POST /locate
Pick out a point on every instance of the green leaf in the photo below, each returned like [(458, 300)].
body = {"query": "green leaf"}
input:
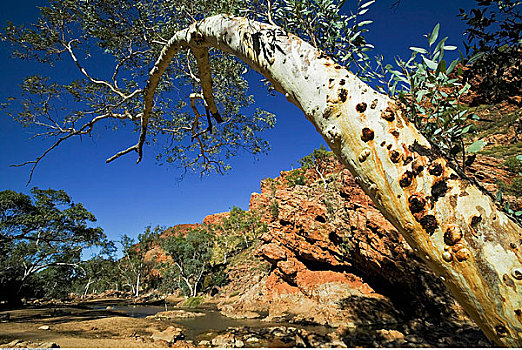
[(464, 89), (441, 67), (475, 57), (476, 146), (499, 195), (450, 48), (418, 49), (440, 46), (366, 4), (466, 129), (363, 23), (432, 65), (452, 66), (434, 34)]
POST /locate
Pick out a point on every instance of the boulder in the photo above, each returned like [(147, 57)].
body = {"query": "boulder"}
[(204, 344), (167, 315), (11, 344), (170, 335), (227, 340), (389, 335), (48, 345)]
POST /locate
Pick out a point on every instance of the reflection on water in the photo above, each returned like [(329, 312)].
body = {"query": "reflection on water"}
[(212, 320)]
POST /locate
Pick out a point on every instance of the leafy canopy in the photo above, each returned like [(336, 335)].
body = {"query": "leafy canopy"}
[(46, 231), (114, 44), (190, 260)]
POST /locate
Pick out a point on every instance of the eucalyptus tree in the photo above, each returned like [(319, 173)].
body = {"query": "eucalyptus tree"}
[(138, 262), (43, 235), (189, 260), (178, 76)]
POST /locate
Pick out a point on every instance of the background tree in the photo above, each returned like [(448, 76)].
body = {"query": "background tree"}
[(97, 275), (47, 232), (136, 268), (237, 232), (317, 160), (190, 260)]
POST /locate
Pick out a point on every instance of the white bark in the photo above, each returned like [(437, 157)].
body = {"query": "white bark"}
[(456, 229), (137, 294)]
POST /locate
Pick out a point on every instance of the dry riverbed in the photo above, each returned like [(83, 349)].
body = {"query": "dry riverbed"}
[(104, 323), (77, 326)]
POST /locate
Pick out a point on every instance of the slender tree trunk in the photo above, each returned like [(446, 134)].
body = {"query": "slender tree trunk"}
[(137, 286), (321, 175), (86, 290), (451, 224), (195, 290), (189, 285)]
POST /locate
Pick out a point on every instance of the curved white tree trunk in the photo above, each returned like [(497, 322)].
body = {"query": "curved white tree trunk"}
[(454, 227)]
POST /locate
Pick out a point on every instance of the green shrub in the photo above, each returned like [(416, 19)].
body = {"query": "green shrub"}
[(317, 156), (274, 209), (516, 187), (295, 177), (193, 302), (514, 164)]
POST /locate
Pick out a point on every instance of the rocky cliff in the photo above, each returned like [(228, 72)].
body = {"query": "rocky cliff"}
[(335, 260)]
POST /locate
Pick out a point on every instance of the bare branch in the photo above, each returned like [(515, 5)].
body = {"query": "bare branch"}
[(136, 148), (163, 61), (190, 73), (196, 113), (37, 160), (207, 160), (70, 132), (269, 12), (126, 58), (68, 47)]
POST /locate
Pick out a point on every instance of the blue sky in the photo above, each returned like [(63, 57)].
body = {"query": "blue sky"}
[(126, 197)]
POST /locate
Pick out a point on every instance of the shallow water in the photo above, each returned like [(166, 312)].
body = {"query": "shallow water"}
[(213, 320)]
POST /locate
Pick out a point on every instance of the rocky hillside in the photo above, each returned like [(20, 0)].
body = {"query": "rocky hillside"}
[(335, 260)]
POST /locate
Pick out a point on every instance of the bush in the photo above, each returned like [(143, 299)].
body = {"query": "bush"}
[(493, 36), (295, 177), (318, 155), (513, 164), (516, 187), (193, 302), (274, 209)]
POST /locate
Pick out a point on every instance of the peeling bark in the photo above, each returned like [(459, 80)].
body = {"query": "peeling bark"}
[(454, 227)]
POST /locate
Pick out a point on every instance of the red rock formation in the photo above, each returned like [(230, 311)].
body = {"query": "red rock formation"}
[(214, 219), (335, 259)]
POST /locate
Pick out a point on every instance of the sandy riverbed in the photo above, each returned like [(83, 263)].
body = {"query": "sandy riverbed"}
[(78, 326)]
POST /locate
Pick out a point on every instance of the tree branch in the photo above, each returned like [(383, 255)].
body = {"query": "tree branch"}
[(68, 47), (203, 61)]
